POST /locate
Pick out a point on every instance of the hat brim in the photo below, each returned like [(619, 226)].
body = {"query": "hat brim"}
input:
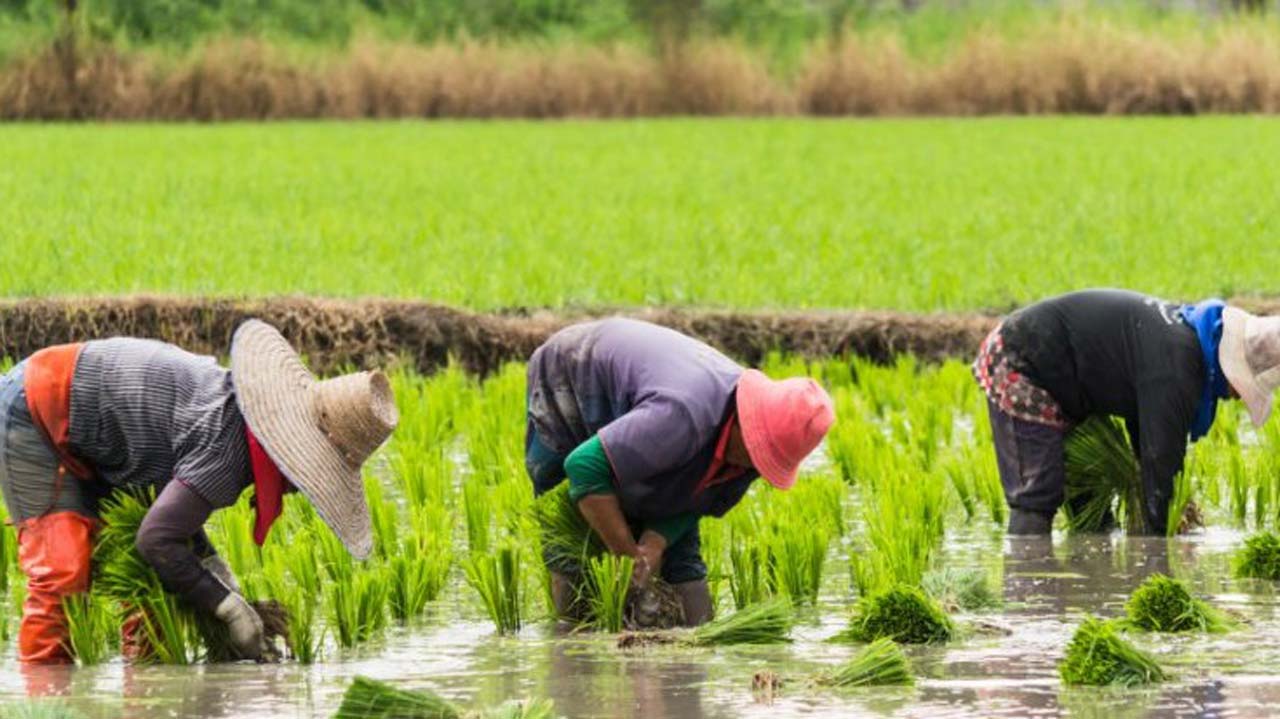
[(272, 389), (1235, 365), (751, 413)]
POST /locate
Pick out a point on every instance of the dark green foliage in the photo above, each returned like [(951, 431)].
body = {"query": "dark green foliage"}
[(1099, 656), (371, 699), (880, 663), (768, 622), (1163, 604), (1259, 558), (902, 613), (1103, 477)]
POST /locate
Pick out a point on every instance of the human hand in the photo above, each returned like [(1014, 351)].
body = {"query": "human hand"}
[(244, 624), (648, 557)]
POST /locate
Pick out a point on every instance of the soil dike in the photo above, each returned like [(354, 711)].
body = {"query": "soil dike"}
[(334, 334)]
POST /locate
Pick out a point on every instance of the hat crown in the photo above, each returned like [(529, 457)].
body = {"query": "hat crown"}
[(357, 413), (782, 421), (1262, 345)]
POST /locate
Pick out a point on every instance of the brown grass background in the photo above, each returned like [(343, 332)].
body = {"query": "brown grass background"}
[(1069, 67)]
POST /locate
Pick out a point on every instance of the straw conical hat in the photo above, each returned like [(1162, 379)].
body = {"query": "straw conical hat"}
[(318, 432)]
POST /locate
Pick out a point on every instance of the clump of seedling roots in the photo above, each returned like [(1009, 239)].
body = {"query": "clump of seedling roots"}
[(903, 614), (371, 699), (1099, 656), (1163, 604), (1259, 558), (768, 622), (968, 590)]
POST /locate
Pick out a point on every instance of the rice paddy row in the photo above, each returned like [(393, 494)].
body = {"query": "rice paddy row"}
[(908, 461)]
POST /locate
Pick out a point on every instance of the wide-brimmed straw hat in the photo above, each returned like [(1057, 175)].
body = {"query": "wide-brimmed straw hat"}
[(782, 421), (318, 432), (1250, 358)]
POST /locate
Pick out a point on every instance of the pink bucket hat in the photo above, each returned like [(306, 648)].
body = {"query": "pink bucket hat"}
[(782, 422)]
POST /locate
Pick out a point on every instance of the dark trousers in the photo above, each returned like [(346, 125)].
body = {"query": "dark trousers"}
[(682, 562), (1032, 462)]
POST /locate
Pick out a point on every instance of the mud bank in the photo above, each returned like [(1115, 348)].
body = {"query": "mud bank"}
[(366, 333)]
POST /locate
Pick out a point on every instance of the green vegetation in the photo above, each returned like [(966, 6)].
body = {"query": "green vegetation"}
[(1163, 604), (608, 581), (882, 662), (968, 590), (1099, 656), (1260, 557), (371, 699), (462, 224), (768, 622), (903, 614), (93, 629), (1103, 478)]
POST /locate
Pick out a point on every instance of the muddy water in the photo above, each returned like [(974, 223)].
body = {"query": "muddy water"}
[(1047, 587)]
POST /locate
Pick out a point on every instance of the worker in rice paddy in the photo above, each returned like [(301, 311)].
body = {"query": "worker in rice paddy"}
[(654, 429), (1160, 366), (79, 421)]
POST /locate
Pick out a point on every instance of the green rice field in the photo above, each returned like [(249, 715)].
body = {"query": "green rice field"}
[(905, 214)]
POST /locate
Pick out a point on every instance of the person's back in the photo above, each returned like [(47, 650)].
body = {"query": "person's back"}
[(1096, 350)]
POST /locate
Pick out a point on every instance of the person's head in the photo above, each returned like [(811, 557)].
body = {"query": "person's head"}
[(1250, 357), (318, 433), (779, 423)]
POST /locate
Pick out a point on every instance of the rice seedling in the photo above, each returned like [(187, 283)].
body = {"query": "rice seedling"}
[(357, 608), (968, 590), (767, 622), (371, 699), (1259, 558), (608, 583), (1103, 477), (796, 553), (902, 613), (92, 628), (1099, 656), (748, 581), (478, 514), (496, 578), (303, 638), (713, 534), (39, 709), (880, 663), (1164, 604), (565, 535), (415, 580), (537, 709)]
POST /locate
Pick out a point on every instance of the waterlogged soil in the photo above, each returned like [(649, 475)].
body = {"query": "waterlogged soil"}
[(1007, 669)]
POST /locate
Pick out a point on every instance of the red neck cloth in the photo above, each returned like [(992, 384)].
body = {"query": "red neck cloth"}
[(268, 484)]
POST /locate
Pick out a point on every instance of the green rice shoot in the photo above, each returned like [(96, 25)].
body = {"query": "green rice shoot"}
[(768, 622), (1259, 558), (608, 582), (371, 699), (1099, 656), (1164, 604), (880, 663), (1103, 478), (902, 613)]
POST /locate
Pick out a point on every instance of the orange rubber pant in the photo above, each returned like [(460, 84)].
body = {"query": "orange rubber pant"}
[(54, 552)]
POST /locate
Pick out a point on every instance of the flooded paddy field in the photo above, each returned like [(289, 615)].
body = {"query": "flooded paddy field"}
[(908, 460)]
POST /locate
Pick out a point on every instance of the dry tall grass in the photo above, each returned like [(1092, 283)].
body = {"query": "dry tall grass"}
[(1067, 67)]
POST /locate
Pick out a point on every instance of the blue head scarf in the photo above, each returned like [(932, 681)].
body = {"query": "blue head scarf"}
[(1206, 319)]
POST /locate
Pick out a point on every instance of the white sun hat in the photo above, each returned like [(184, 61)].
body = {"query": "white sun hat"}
[(1250, 357), (318, 432)]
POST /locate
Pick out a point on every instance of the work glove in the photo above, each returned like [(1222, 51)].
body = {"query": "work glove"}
[(247, 633), (216, 566)]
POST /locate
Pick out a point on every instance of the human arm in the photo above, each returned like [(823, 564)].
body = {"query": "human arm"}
[(1159, 437), (165, 540)]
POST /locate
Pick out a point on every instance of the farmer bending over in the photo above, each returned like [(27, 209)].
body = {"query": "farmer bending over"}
[(653, 430), (1160, 366), (81, 420)]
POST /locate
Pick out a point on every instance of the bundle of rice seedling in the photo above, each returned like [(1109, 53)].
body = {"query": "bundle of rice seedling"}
[(172, 631), (768, 622), (1259, 558), (902, 613), (1163, 604), (968, 590), (371, 699), (567, 539), (881, 662), (1099, 656), (92, 628), (609, 584), (1103, 477)]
